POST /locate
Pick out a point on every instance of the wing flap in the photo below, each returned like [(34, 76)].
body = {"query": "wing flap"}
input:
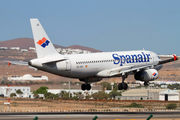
[(136, 69), (121, 70)]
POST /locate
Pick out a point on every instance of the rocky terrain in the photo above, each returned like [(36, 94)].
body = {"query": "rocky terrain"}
[(25, 43)]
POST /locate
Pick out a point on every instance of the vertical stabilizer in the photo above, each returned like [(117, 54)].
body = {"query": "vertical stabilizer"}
[(43, 44)]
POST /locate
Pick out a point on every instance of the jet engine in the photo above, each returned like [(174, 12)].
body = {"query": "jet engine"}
[(146, 75)]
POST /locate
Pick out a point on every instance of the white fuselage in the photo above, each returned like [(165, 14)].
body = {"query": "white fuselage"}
[(92, 65)]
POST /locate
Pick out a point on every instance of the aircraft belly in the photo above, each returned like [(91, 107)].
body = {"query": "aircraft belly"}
[(83, 74)]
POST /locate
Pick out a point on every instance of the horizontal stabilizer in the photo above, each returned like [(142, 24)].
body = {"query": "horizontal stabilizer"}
[(51, 61), (16, 62)]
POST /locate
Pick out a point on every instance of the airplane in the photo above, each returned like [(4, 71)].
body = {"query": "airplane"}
[(93, 67)]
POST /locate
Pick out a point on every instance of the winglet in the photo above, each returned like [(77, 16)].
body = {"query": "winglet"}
[(175, 57), (9, 63)]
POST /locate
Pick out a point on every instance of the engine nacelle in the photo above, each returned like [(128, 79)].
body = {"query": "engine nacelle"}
[(146, 75), (89, 80)]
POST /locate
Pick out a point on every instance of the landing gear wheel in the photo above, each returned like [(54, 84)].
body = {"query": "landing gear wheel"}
[(88, 86), (122, 86), (146, 84), (85, 87), (125, 86)]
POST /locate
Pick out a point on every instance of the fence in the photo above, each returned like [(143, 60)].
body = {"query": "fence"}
[(93, 110)]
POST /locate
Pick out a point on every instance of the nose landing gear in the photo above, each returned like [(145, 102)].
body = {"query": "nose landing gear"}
[(85, 87), (146, 83)]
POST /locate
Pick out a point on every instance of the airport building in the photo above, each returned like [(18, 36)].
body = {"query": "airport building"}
[(150, 94), (169, 95), (6, 91)]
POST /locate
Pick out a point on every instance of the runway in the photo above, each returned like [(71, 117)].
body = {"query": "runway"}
[(121, 116)]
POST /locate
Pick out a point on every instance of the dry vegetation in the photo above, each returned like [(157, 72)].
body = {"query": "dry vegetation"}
[(38, 104)]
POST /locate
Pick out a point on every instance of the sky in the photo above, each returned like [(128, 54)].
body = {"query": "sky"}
[(106, 25)]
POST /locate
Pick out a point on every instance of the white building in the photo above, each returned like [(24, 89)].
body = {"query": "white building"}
[(169, 95), (150, 94), (3, 48), (74, 91), (32, 48), (58, 50), (15, 48), (159, 82), (72, 51), (24, 50), (6, 91), (27, 77), (31, 95)]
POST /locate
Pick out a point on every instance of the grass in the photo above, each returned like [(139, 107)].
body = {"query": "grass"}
[(134, 105)]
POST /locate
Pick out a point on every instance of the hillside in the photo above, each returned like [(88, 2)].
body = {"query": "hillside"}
[(25, 43)]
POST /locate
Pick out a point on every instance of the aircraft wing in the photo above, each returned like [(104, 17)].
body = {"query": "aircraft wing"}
[(121, 71), (168, 60), (16, 63)]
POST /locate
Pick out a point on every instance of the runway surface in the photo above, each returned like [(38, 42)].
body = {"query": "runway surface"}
[(121, 116)]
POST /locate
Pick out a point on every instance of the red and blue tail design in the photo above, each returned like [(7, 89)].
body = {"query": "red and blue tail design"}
[(44, 42)]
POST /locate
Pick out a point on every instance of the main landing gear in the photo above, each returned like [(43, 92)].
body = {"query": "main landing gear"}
[(123, 85), (146, 83), (85, 86)]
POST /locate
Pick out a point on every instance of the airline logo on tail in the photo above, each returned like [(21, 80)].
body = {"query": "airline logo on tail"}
[(44, 42)]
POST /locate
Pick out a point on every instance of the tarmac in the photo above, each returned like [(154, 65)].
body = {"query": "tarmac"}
[(91, 115)]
